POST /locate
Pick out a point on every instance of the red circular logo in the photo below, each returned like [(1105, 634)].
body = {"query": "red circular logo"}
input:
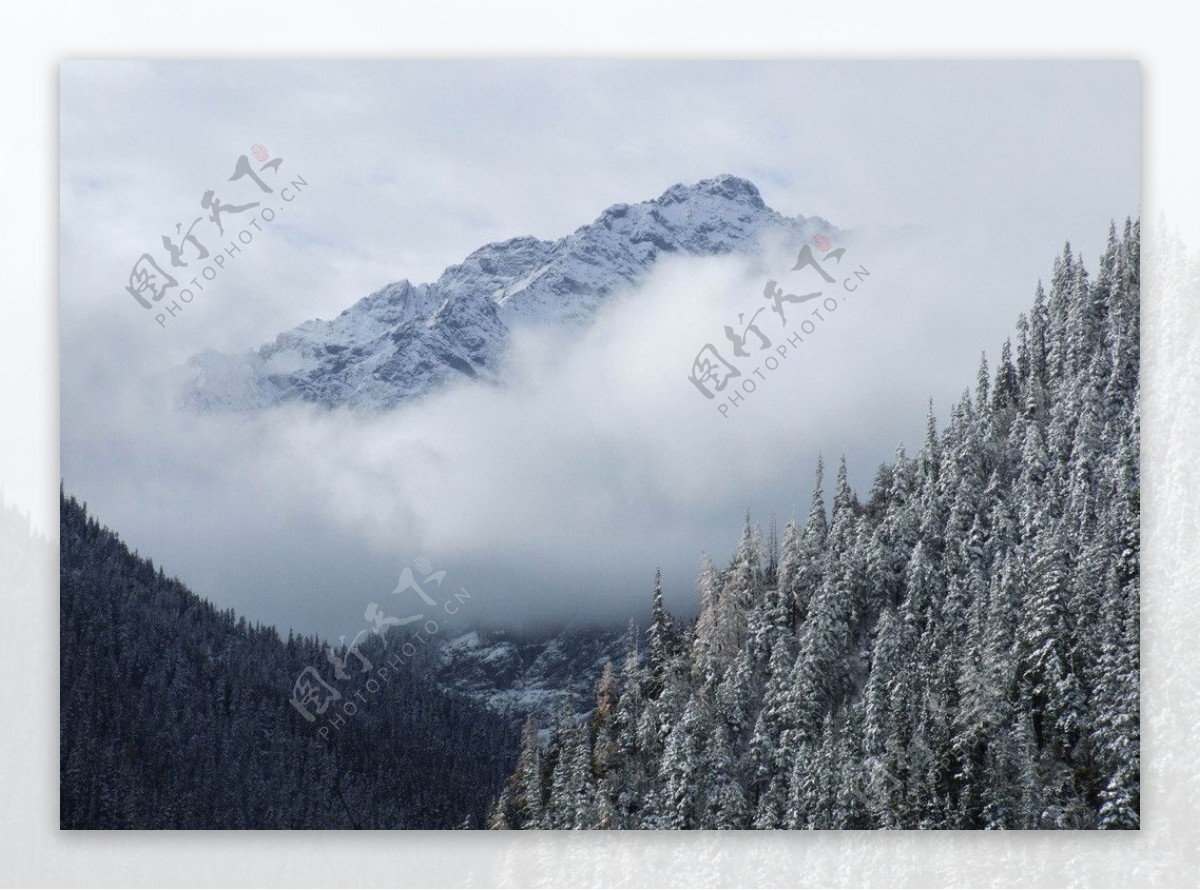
[(822, 242), (259, 152)]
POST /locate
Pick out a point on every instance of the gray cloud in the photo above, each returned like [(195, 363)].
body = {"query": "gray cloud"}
[(555, 495)]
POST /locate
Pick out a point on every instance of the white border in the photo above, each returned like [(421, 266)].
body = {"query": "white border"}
[(38, 36)]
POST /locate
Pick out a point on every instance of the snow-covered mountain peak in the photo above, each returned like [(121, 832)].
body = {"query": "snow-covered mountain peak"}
[(726, 187), (405, 340)]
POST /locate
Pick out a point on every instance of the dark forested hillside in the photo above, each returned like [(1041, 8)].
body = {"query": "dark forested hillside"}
[(177, 715), (958, 649)]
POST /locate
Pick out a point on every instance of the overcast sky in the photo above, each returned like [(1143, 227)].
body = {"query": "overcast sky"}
[(555, 496)]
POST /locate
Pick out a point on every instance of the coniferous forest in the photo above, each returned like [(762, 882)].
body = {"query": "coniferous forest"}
[(175, 714), (956, 649)]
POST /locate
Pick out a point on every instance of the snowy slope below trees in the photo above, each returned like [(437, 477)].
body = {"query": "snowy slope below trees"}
[(517, 676)]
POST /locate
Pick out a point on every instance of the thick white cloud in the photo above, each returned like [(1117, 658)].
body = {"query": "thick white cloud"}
[(557, 493)]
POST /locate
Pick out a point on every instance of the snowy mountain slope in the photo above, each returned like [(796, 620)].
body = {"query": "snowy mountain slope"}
[(516, 677), (406, 340)]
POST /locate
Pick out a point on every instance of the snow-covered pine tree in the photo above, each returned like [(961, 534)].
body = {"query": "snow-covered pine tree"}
[(961, 651)]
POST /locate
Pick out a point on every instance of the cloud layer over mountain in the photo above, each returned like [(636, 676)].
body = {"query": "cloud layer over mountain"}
[(558, 477)]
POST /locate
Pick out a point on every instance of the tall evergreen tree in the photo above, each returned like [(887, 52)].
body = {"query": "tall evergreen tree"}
[(959, 651)]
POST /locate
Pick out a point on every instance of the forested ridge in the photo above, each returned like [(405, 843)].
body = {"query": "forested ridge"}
[(958, 649), (175, 714)]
